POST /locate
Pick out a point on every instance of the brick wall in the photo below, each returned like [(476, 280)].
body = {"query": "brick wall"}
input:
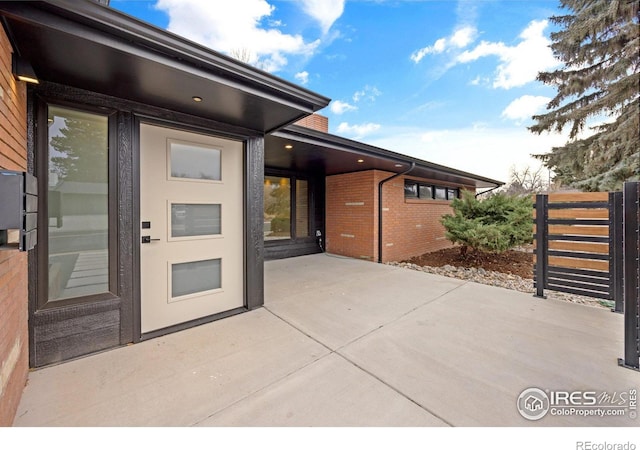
[(13, 264), (410, 227), (315, 122), (350, 224)]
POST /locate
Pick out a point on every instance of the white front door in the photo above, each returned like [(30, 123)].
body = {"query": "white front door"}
[(191, 212)]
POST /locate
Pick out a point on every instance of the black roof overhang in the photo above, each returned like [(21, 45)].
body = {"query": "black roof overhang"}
[(86, 45), (326, 154)]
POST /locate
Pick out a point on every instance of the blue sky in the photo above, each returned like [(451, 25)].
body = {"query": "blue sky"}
[(452, 82)]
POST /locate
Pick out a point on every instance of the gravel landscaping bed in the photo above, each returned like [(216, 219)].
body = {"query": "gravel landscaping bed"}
[(504, 280)]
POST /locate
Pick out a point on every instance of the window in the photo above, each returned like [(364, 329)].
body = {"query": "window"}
[(193, 161), (195, 277), (410, 189), (440, 193), (189, 220), (78, 203), (286, 208), (302, 208), (423, 191), (426, 191), (277, 208)]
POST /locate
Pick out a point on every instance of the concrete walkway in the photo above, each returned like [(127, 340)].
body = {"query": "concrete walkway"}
[(342, 342)]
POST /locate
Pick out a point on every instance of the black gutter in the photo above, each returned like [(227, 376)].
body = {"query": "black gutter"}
[(488, 190), (380, 184)]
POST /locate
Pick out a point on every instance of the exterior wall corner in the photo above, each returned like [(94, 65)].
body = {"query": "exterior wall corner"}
[(14, 340), (409, 228)]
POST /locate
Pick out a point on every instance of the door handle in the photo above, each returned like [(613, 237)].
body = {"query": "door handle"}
[(147, 239)]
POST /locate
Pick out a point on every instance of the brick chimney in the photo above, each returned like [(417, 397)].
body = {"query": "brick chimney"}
[(315, 122)]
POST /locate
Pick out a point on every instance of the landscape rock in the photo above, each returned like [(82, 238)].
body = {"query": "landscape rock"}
[(499, 279)]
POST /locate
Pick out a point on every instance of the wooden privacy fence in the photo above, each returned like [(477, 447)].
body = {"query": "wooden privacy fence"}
[(578, 247), (588, 244)]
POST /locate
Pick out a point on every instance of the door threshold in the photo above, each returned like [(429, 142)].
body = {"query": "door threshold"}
[(192, 323)]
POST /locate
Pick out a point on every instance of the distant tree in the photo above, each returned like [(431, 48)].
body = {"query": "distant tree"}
[(241, 54), (82, 151), (494, 225), (277, 200), (600, 47), (246, 56), (526, 181)]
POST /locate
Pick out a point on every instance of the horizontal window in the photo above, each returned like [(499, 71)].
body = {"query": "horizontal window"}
[(194, 161), (195, 277), (425, 191), (410, 189), (416, 189), (188, 220)]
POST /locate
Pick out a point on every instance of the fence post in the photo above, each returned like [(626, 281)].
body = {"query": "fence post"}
[(616, 254), (631, 276), (541, 244)]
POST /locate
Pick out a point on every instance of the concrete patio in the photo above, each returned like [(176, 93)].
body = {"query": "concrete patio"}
[(342, 342)]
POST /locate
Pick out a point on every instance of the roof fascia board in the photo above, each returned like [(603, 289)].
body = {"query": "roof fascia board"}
[(316, 137), (308, 136)]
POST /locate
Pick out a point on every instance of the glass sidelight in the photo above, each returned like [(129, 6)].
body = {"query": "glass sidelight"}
[(78, 203)]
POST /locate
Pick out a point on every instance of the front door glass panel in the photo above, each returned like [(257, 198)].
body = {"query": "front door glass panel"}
[(195, 277), (191, 220), (195, 162)]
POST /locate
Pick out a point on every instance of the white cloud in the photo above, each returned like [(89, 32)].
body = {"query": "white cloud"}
[(367, 93), (460, 38), (358, 131), (477, 81), (522, 108), (340, 107), (236, 26), (463, 37), (521, 63), (325, 12), (302, 77)]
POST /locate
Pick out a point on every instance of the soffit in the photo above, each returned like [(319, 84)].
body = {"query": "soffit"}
[(325, 154), (93, 47)]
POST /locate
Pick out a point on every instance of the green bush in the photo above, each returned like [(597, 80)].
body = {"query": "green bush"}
[(494, 225), (280, 224)]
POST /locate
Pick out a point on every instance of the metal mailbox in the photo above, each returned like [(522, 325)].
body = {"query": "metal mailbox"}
[(18, 210)]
